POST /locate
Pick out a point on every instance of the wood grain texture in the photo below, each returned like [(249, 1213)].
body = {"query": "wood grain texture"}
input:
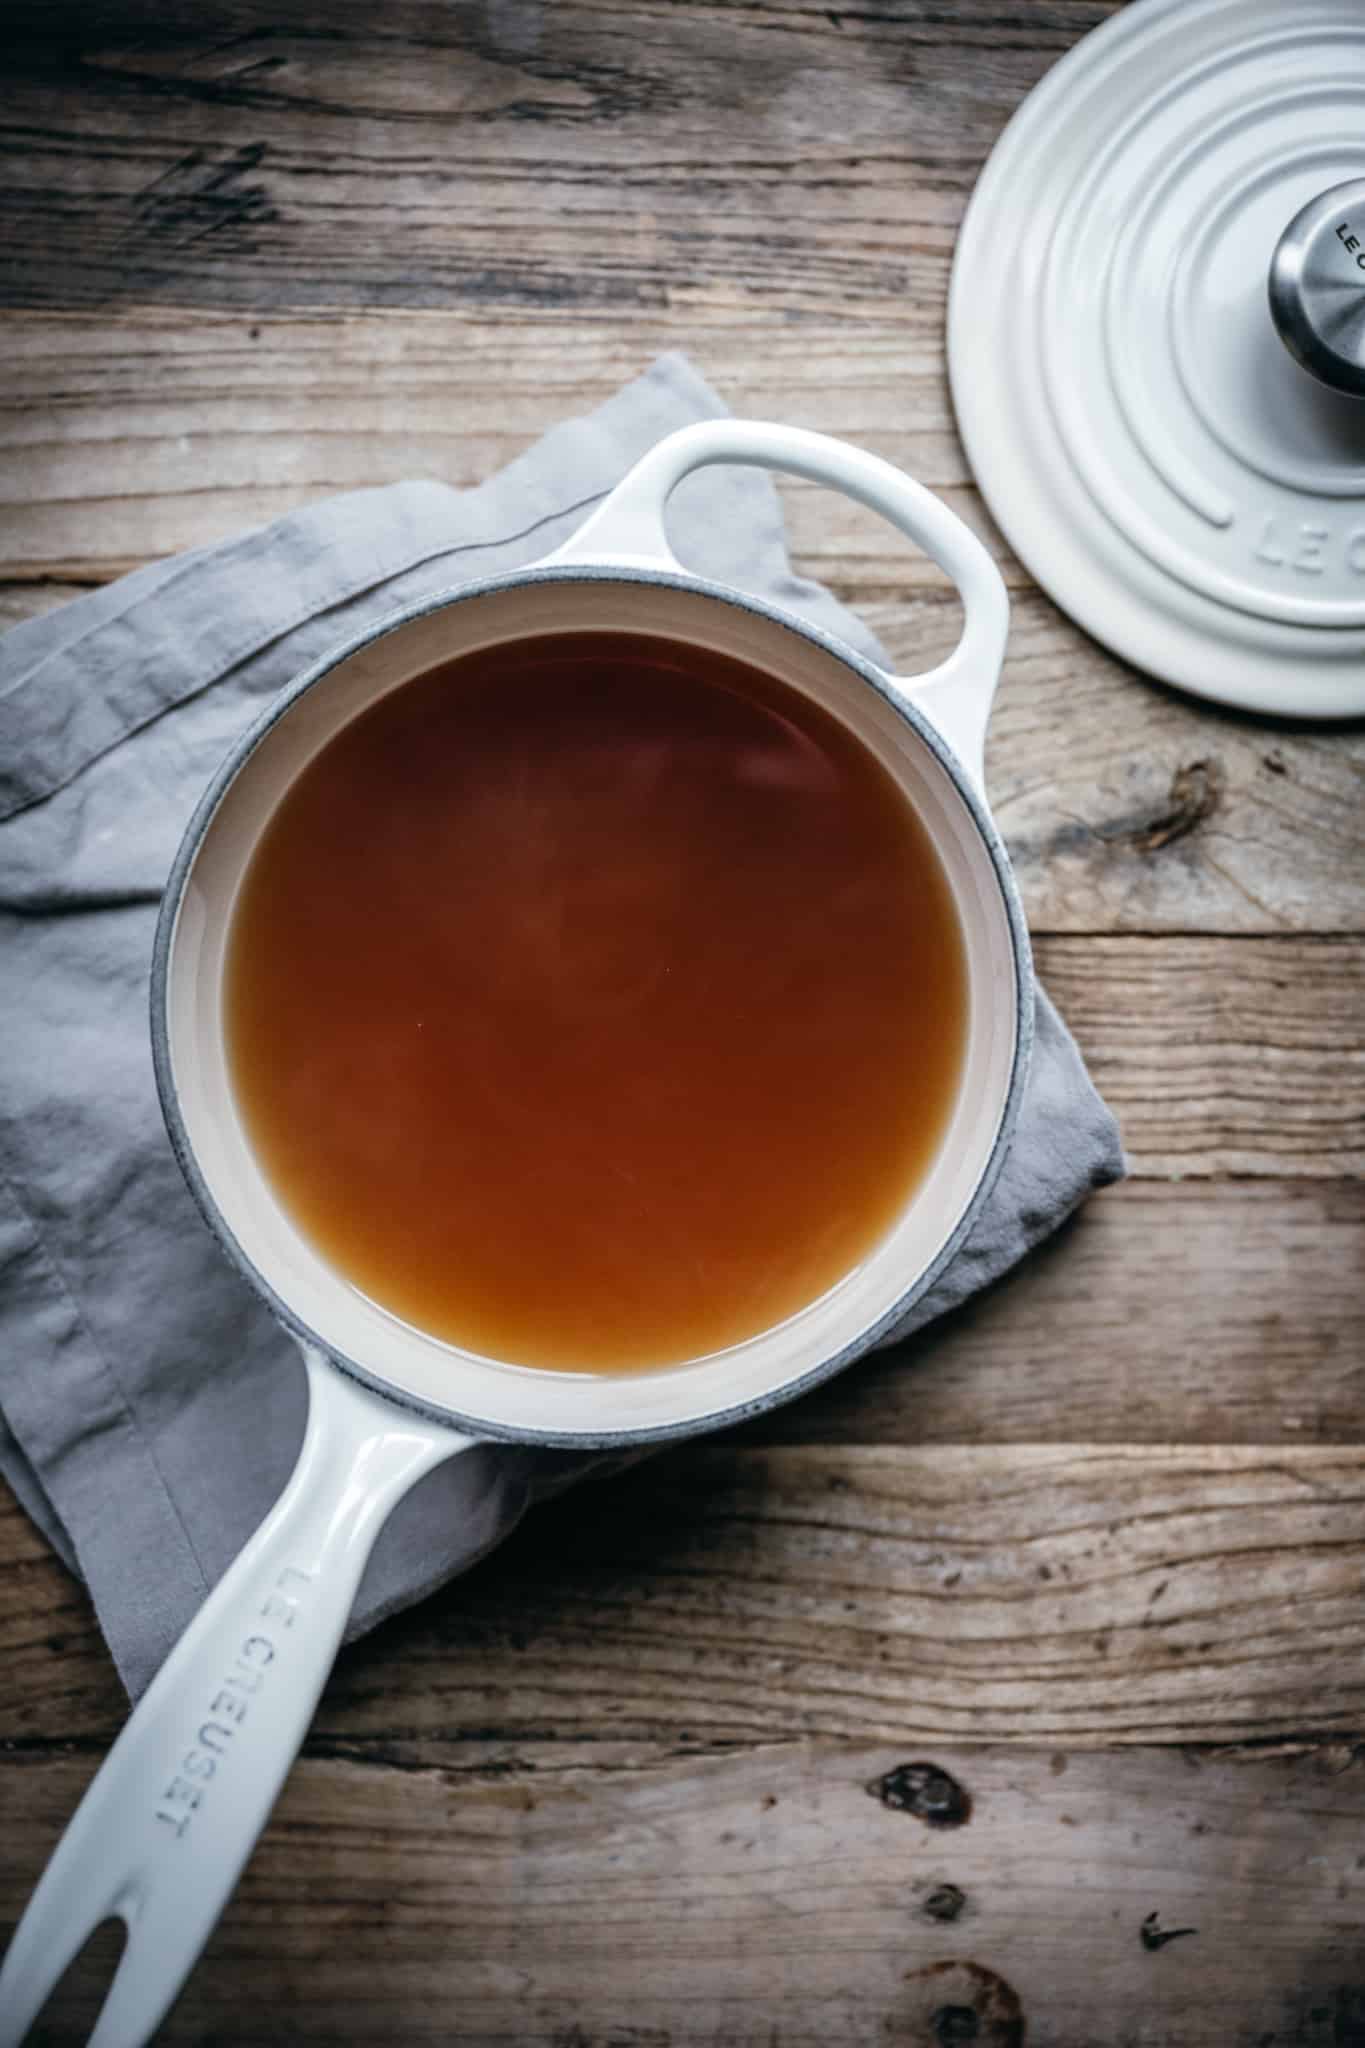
[(21, 601), (1078, 1596), (1054, 1594), (608, 157), (774, 1900), (1222, 1055), (1211, 1312), (172, 427)]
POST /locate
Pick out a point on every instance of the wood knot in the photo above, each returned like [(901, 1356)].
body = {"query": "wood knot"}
[(1195, 794), (954, 2025), (926, 1791), (954, 2003), (945, 1902)]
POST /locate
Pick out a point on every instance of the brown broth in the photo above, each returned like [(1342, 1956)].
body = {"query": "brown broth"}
[(595, 1002)]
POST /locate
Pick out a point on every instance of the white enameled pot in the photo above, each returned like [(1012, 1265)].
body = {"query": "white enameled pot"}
[(168, 1823)]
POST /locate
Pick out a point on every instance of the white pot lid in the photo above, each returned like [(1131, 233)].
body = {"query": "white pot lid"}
[(1155, 455)]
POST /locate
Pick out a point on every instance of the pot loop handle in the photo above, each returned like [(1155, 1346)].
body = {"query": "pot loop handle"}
[(627, 531)]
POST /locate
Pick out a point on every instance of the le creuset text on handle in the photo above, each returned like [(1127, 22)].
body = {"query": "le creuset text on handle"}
[(161, 1836), (628, 530)]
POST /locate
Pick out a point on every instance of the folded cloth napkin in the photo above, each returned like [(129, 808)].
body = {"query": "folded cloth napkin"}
[(150, 1408)]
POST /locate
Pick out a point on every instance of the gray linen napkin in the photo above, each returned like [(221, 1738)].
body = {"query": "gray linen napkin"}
[(150, 1409)]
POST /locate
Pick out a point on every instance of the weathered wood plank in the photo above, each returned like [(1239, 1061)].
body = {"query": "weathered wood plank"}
[(20, 601), (1204, 1312), (50, 1647), (1126, 806), (1046, 1594), (1222, 1055), (170, 428), (606, 157), (1082, 1596), (767, 1901)]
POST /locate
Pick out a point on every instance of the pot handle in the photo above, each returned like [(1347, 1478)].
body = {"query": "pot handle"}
[(161, 1836), (627, 531)]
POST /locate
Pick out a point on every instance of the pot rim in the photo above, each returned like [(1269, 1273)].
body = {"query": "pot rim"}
[(894, 695)]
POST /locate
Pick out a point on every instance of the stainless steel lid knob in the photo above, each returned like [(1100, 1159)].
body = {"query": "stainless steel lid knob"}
[(1317, 287)]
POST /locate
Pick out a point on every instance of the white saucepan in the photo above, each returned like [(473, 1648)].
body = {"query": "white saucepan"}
[(164, 1830)]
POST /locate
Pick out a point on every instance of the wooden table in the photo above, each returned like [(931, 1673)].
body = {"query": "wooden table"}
[(925, 1710)]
